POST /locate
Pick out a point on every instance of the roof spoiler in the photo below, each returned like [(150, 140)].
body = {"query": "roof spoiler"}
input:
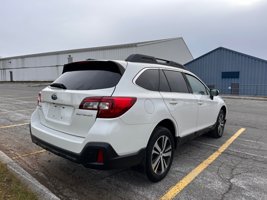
[(93, 64), (150, 59)]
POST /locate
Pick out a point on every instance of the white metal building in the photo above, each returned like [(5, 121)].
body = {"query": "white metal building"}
[(48, 66)]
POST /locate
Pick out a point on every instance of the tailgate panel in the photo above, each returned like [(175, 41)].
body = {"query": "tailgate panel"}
[(64, 115)]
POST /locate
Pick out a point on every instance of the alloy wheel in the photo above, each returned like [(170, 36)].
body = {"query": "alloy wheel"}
[(161, 155), (221, 123)]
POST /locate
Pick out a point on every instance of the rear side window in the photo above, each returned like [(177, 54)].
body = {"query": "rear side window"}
[(176, 81), (149, 80), (163, 83), (89, 77)]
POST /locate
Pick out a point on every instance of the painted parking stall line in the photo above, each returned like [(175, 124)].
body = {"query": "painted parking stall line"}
[(14, 125), (6, 96), (10, 111), (176, 189), (232, 150), (28, 97), (29, 154), (17, 97), (18, 103)]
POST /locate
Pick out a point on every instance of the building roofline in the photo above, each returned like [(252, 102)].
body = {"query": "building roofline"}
[(135, 44), (187, 48), (223, 48)]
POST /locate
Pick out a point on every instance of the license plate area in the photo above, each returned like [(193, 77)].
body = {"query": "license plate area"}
[(60, 113)]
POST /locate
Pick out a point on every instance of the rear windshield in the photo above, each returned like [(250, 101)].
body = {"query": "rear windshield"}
[(89, 76)]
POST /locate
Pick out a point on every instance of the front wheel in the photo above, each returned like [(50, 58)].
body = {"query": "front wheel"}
[(160, 152), (219, 128)]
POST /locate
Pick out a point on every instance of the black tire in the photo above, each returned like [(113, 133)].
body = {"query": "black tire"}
[(159, 154), (217, 132)]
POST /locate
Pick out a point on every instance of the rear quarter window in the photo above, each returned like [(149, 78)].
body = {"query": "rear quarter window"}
[(149, 80)]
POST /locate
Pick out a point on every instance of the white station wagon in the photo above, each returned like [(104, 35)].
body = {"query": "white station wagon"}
[(116, 114)]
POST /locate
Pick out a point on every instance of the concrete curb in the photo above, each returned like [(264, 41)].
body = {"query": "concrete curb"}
[(41, 191), (244, 98)]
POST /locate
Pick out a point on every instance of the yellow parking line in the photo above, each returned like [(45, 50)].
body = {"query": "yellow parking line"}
[(28, 154), (14, 125), (176, 189)]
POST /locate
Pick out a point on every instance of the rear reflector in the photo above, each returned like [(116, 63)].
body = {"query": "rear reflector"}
[(100, 156), (39, 99), (108, 107)]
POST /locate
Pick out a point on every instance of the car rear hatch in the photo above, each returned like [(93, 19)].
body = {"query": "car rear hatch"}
[(59, 102)]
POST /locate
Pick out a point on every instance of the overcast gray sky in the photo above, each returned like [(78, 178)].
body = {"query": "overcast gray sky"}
[(34, 26)]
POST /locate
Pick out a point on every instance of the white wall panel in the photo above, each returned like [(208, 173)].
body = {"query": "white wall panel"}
[(48, 66)]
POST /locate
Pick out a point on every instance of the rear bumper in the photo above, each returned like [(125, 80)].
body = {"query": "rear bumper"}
[(88, 156)]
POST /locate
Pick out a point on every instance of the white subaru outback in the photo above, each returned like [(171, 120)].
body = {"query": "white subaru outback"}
[(115, 114)]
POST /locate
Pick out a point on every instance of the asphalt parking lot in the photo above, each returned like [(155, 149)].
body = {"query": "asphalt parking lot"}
[(240, 172)]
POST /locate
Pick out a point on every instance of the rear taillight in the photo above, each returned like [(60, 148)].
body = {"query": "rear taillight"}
[(39, 99), (108, 107)]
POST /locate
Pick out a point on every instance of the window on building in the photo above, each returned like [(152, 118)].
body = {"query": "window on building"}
[(230, 75)]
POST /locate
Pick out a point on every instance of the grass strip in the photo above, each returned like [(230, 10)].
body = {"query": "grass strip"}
[(12, 188)]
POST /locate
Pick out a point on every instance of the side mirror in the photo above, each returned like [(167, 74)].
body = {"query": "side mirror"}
[(213, 93)]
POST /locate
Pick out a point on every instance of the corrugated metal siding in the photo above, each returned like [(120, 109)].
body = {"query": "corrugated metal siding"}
[(253, 71), (48, 67)]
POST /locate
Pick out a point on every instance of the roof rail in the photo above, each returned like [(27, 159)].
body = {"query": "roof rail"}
[(150, 59)]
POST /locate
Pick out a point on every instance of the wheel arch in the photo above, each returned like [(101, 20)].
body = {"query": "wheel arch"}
[(169, 124), (224, 109)]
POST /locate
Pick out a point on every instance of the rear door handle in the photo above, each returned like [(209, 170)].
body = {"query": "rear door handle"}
[(200, 103), (173, 102)]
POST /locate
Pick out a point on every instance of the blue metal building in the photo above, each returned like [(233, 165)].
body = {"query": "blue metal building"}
[(231, 72)]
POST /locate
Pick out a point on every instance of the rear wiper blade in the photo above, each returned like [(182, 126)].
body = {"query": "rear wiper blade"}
[(58, 85)]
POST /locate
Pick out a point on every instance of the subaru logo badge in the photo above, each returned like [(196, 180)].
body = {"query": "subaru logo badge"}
[(54, 97)]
